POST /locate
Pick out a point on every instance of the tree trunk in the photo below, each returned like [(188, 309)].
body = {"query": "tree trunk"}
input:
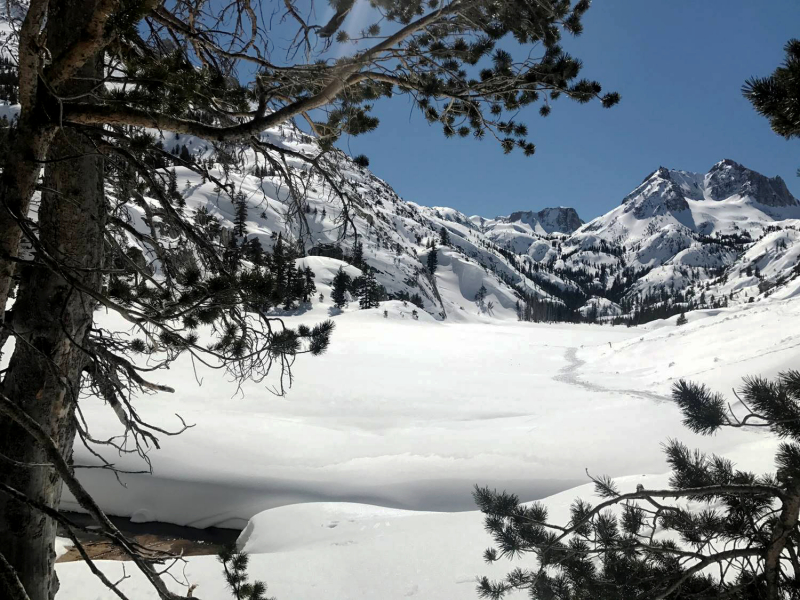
[(51, 320), (785, 527), (27, 148)]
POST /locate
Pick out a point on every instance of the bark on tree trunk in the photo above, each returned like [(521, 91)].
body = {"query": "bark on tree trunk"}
[(785, 527), (51, 320), (27, 148)]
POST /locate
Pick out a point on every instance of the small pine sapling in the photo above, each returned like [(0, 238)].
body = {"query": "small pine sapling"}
[(234, 565)]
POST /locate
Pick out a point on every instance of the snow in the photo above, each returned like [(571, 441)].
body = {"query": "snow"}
[(400, 412), (353, 483), (344, 551), (347, 551), (62, 546), (358, 483)]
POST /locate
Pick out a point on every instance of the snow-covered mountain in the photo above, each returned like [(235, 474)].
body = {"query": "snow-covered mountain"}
[(548, 220), (728, 200), (678, 241), (520, 229), (689, 233)]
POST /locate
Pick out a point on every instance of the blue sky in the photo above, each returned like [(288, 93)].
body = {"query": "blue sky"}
[(679, 65)]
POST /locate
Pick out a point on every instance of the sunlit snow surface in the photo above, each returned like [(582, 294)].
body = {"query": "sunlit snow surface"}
[(407, 414), (358, 483)]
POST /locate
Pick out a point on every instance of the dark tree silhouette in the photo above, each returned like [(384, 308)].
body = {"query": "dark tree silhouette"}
[(777, 97), (738, 539)]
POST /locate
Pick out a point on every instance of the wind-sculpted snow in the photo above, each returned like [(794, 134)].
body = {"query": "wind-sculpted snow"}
[(409, 413), (327, 476), (350, 486)]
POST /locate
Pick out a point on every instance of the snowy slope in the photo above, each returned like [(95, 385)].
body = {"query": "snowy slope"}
[(339, 484), (395, 234), (680, 239), (411, 413), (351, 484), (327, 476)]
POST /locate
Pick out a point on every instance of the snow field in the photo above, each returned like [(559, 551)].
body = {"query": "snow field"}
[(327, 475)]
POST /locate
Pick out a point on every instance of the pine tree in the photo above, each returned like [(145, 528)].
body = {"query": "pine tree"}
[(309, 289), (480, 296), (234, 567), (254, 252), (361, 160), (433, 259), (279, 270), (358, 255), (738, 538), (341, 283), (172, 187), (444, 236), (240, 216), (185, 155), (295, 284), (370, 292), (777, 97)]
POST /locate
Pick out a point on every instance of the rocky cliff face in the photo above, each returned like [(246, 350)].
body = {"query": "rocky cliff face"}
[(728, 178), (548, 220)]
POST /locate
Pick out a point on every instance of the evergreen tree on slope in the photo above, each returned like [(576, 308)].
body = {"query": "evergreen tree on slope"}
[(480, 296), (309, 289), (444, 236), (240, 215), (358, 255), (341, 283), (370, 292), (433, 259)]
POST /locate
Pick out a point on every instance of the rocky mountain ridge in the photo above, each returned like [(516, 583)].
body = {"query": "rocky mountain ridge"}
[(678, 241)]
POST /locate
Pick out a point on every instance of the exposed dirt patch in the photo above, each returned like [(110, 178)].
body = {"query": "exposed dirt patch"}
[(159, 537), (102, 550)]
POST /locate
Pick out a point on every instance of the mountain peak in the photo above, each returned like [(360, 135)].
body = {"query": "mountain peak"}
[(727, 162), (728, 178), (558, 219)]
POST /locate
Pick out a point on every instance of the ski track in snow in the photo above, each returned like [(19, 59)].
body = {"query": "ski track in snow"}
[(542, 401), (569, 375)]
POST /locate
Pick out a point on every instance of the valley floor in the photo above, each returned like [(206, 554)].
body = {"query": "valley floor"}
[(355, 479)]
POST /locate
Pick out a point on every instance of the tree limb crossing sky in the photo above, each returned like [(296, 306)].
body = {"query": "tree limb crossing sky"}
[(679, 66)]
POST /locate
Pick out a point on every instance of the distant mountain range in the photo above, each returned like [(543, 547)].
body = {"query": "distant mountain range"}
[(678, 241)]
